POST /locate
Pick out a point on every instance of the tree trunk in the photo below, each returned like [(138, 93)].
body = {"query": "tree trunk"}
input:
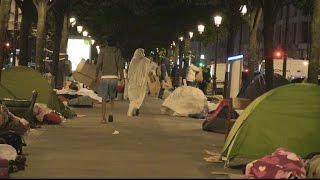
[(252, 53), (65, 33), (41, 34), (230, 41), (230, 52), (314, 63), (253, 21), (25, 27), (56, 49), (63, 50), (4, 17), (268, 44)]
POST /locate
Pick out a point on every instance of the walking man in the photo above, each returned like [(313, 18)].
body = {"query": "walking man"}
[(111, 67)]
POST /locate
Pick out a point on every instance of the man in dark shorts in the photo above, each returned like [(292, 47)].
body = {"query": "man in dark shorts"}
[(111, 66)]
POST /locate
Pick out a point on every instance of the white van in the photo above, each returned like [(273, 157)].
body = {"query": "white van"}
[(296, 68)]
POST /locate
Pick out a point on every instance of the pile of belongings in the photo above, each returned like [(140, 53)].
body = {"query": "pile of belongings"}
[(47, 115), (78, 97), (12, 130), (284, 164), (281, 164), (185, 100)]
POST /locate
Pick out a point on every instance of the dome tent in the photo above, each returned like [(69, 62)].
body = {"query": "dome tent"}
[(21, 81), (287, 116)]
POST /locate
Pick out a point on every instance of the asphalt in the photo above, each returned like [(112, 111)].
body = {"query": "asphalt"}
[(148, 146)]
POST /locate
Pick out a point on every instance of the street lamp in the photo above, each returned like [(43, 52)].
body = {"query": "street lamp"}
[(217, 22), (72, 21), (200, 29), (243, 10), (92, 41), (79, 29), (85, 33), (98, 49), (191, 34), (180, 52)]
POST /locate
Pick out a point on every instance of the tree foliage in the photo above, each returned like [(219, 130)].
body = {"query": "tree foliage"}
[(142, 23)]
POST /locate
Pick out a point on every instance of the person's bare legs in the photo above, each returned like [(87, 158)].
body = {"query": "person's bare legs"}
[(110, 118), (104, 109)]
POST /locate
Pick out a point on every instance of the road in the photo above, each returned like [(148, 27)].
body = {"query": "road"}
[(148, 146)]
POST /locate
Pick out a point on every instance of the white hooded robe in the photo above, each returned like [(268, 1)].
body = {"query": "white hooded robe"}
[(137, 77)]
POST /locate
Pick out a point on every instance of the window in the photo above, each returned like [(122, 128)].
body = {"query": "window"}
[(295, 12), (305, 29), (294, 32), (281, 13), (279, 32)]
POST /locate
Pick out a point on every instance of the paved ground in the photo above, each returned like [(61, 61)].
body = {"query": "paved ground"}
[(148, 146)]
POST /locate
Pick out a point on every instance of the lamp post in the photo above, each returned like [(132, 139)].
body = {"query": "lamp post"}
[(191, 34), (200, 29), (243, 10), (217, 22), (180, 52), (79, 29), (85, 33), (72, 21)]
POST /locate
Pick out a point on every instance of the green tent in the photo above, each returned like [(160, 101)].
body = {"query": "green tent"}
[(20, 81), (288, 117), (5, 93)]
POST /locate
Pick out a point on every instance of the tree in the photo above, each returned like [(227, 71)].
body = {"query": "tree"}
[(270, 10), (4, 17), (253, 18), (57, 16), (42, 8), (314, 62), (159, 22), (28, 15)]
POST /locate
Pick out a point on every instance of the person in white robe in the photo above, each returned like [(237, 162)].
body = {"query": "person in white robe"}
[(137, 78)]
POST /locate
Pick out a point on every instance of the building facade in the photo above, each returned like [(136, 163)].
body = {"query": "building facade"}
[(298, 31)]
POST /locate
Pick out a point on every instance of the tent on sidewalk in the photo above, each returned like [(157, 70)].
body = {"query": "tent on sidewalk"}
[(257, 86), (250, 90), (287, 116), (20, 81)]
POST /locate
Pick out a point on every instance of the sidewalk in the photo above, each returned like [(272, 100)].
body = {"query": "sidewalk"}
[(148, 146)]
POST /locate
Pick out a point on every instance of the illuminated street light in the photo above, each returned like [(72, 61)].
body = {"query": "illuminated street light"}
[(181, 38), (191, 34), (79, 29), (98, 49), (217, 20), (200, 28), (92, 41), (72, 21), (85, 33), (243, 9)]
